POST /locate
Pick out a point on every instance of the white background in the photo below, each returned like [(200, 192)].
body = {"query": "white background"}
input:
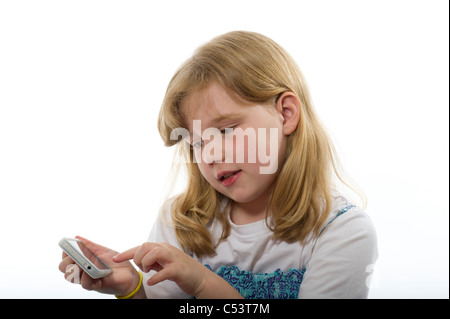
[(81, 83)]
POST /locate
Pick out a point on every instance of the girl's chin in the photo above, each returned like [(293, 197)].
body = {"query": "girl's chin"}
[(240, 196)]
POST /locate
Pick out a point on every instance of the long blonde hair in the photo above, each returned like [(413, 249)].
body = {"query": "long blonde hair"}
[(254, 69)]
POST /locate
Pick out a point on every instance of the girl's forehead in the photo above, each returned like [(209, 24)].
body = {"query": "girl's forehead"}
[(209, 105)]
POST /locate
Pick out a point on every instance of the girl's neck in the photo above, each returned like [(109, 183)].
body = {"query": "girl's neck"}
[(250, 212)]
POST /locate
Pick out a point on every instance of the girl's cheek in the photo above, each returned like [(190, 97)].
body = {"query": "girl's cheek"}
[(206, 172), (241, 147)]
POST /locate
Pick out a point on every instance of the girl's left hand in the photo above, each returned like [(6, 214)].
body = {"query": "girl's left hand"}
[(170, 263)]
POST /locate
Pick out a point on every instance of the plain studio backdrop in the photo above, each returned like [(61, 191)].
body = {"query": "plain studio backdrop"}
[(81, 83)]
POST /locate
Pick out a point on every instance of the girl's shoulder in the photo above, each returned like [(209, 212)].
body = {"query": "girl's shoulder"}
[(346, 218), (338, 259), (348, 232)]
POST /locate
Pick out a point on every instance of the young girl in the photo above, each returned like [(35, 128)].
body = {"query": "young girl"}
[(249, 224)]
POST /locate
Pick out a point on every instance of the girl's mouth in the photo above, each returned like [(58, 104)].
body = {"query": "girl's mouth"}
[(228, 178)]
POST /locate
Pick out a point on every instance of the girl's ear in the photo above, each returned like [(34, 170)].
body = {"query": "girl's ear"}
[(288, 107)]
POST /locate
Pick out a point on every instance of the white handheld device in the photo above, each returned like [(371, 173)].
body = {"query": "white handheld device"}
[(86, 259)]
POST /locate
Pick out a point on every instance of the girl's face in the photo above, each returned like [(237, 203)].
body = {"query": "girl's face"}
[(242, 165)]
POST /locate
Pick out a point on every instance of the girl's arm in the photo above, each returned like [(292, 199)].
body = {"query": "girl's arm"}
[(215, 287), (170, 263)]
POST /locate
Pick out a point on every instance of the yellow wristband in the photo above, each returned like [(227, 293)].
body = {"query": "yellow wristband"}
[(135, 290)]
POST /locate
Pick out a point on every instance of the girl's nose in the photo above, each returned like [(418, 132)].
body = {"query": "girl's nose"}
[(213, 152)]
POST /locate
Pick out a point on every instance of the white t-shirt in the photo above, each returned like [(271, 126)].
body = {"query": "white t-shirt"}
[(335, 264)]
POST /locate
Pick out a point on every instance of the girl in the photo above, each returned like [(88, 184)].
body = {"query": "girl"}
[(248, 225)]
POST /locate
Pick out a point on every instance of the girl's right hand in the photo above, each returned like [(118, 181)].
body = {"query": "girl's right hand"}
[(122, 281)]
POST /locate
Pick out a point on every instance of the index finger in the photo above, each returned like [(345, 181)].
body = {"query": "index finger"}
[(126, 255)]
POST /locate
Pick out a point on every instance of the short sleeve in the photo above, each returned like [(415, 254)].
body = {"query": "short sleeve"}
[(341, 257), (163, 231)]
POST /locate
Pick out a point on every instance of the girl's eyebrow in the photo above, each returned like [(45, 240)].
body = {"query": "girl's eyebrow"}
[(228, 117)]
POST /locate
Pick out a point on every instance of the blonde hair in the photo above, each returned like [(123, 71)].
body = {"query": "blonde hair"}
[(253, 69)]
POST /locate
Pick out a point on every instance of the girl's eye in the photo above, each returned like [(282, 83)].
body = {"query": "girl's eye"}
[(228, 129)]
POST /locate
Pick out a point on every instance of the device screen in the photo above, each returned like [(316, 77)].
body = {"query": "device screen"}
[(82, 249)]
